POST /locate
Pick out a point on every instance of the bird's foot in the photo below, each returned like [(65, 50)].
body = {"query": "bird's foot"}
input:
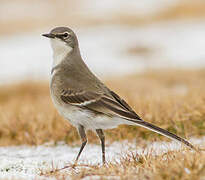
[(72, 166)]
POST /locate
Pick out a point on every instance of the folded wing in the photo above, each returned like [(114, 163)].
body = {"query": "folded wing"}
[(111, 105)]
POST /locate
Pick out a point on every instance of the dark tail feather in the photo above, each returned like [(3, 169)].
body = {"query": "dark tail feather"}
[(163, 132)]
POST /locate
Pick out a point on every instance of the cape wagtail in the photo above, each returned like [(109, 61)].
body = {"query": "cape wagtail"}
[(82, 99)]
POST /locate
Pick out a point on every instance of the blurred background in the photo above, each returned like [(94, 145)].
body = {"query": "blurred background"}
[(150, 52), (116, 36)]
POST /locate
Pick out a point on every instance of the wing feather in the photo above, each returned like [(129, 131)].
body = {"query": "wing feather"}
[(110, 104)]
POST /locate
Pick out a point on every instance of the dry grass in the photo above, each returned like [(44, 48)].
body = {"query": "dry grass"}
[(174, 100), (184, 10), (140, 50), (184, 165)]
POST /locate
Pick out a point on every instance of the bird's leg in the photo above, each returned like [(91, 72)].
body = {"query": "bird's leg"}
[(102, 139), (81, 131)]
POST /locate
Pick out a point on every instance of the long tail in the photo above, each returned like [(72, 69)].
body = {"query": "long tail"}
[(163, 132)]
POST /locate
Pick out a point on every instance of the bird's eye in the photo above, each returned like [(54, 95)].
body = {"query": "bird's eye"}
[(65, 35)]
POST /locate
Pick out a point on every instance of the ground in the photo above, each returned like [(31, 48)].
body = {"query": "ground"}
[(176, 102)]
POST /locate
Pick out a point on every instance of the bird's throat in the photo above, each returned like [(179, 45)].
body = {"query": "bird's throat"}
[(60, 51)]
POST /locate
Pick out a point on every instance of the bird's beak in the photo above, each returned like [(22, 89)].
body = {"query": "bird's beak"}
[(49, 35)]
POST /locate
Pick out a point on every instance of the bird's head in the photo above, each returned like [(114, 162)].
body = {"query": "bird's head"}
[(62, 39)]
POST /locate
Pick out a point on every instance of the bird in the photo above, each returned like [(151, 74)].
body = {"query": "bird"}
[(82, 99)]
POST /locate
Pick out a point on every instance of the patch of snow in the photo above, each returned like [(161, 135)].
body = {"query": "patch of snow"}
[(104, 49), (27, 162), (187, 170)]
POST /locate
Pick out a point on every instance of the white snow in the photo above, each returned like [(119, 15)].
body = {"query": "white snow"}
[(175, 44), (27, 162)]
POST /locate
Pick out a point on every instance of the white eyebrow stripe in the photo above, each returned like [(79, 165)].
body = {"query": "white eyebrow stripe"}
[(63, 33)]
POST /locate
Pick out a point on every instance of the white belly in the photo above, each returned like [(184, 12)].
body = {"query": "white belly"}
[(78, 116)]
